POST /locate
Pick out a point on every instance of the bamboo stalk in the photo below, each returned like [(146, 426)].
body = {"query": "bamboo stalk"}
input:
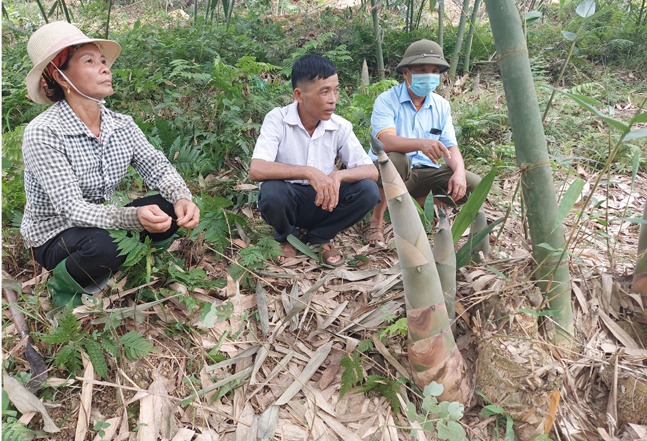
[(433, 354), (459, 41), (470, 35), (441, 16), (537, 186), (231, 9), (108, 20), (639, 284), (42, 10), (378, 41)]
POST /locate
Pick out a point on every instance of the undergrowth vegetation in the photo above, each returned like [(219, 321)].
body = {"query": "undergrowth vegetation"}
[(199, 90)]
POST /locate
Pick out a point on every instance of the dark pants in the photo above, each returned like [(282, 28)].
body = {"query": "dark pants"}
[(287, 207), (92, 252), (421, 180)]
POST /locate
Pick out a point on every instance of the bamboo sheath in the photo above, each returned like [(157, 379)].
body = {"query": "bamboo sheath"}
[(445, 256), (432, 349)]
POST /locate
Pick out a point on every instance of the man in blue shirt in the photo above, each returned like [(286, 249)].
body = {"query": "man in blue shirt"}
[(415, 126)]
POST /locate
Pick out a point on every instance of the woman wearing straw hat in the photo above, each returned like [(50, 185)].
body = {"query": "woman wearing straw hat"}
[(75, 153)]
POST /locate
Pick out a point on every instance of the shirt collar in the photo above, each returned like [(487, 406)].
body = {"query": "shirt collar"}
[(292, 118), (70, 124), (404, 97)]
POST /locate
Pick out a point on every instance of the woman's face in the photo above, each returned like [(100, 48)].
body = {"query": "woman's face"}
[(88, 71)]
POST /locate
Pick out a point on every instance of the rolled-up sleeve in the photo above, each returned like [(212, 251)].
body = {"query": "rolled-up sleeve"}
[(448, 136), (384, 115), (350, 150), (267, 145), (156, 170), (44, 158)]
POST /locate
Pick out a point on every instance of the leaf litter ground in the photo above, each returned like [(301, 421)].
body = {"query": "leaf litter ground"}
[(293, 326)]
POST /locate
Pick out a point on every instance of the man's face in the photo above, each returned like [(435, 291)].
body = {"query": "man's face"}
[(419, 69), (318, 98)]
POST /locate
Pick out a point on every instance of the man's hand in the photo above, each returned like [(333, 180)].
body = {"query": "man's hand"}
[(434, 150), (153, 219), (327, 188), (188, 214), (457, 186)]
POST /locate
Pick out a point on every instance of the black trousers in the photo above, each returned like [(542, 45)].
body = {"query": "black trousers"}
[(91, 252), (287, 207)]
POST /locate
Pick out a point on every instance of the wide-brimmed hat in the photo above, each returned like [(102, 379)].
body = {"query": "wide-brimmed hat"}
[(51, 39), (423, 52)]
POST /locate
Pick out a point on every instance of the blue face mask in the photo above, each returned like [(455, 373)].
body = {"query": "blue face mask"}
[(424, 84)]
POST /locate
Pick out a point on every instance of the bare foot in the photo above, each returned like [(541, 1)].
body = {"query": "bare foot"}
[(331, 256), (288, 251)]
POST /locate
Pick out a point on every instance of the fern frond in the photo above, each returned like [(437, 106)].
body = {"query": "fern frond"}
[(97, 358), (68, 328), (69, 358), (135, 346)]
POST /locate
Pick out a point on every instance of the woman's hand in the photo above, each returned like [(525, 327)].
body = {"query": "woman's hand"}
[(153, 219), (188, 214)]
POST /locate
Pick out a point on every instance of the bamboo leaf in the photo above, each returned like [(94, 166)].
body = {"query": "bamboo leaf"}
[(263, 311), (267, 423), (471, 207), (463, 256), (633, 220), (586, 8), (567, 202), (531, 16), (641, 118), (570, 36), (53, 8), (635, 134), (509, 430), (583, 102), (634, 167), (317, 360)]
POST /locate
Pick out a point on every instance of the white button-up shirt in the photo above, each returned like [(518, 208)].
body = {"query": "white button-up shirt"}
[(284, 139)]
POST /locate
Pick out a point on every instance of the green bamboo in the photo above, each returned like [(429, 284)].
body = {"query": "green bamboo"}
[(470, 35), (422, 5), (459, 41), (4, 12), (639, 284), (208, 9), (108, 20), (231, 9), (538, 189), (441, 17), (433, 354), (445, 256), (67, 13), (195, 12), (378, 41)]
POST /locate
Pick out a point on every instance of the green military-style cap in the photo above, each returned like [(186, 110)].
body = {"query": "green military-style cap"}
[(423, 52)]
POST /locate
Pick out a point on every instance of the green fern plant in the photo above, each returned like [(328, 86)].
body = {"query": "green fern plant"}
[(254, 257), (75, 340)]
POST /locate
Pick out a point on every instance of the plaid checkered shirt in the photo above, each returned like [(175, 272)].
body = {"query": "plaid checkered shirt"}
[(70, 173)]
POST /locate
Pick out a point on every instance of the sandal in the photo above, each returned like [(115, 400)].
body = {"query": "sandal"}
[(374, 233), (326, 254)]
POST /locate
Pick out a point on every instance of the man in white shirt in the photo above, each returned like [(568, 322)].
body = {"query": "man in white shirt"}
[(295, 159)]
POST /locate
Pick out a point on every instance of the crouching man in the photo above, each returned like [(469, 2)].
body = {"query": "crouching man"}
[(294, 159)]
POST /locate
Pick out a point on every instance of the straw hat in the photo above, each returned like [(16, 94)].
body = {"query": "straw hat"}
[(423, 52), (48, 41)]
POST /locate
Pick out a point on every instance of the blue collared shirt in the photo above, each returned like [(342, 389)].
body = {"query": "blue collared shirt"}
[(394, 109)]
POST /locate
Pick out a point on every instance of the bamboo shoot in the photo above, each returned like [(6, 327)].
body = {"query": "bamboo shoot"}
[(433, 353)]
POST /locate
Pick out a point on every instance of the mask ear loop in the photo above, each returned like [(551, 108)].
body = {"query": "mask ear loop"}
[(99, 102)]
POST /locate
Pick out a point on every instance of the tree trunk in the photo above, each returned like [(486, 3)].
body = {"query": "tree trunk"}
[(459, 41), (377, 36), (433, 353), (441, 16), (470, 35), (639, 285), (532, 158)]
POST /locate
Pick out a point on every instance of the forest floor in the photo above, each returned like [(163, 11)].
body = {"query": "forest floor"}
[(350, 304)]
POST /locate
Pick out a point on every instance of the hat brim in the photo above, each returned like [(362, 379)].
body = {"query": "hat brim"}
[(110, 49), (406, 62)]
